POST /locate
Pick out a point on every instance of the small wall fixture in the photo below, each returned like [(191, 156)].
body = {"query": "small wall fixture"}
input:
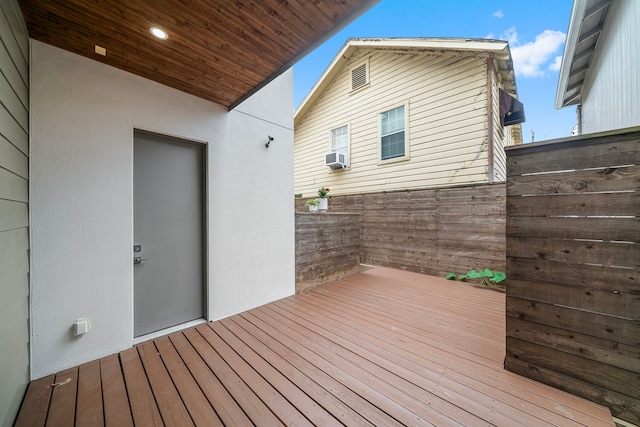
[(81, 326), (268, 142), (159, 33)]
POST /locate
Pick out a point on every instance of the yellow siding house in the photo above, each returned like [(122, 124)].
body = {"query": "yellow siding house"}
[(394, 114)]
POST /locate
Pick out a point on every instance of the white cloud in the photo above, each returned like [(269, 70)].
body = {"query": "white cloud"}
[(555, 65), (511, 35), (531, 59), (498, 14), (490, 36)]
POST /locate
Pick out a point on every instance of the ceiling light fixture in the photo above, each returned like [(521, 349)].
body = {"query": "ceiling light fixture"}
[(159, 33)]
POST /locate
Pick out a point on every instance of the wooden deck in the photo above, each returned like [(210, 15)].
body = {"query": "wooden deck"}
[(383, 348)]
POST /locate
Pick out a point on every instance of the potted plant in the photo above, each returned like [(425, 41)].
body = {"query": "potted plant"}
[(313, 205), (323, 196)]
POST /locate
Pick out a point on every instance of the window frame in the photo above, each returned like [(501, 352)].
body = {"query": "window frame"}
[(406, 155), (348, 150)]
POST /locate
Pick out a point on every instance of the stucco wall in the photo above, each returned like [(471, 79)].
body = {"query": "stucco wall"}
[(611, 91), (83, 117)]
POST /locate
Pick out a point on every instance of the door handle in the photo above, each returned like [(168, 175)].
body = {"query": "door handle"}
[(139, 260)]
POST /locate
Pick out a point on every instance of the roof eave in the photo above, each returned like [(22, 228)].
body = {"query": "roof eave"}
[(575, 22)]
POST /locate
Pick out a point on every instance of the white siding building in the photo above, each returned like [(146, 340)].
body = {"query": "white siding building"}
[(406, 114), (600, 64), (14, 210)]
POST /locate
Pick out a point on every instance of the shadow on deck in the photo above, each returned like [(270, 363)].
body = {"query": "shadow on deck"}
[(384, 347)]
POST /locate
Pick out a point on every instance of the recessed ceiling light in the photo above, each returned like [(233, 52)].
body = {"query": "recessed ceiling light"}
[(159, 33)]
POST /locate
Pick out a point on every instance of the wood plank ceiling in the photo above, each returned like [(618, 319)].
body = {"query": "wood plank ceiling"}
[(219, 50)]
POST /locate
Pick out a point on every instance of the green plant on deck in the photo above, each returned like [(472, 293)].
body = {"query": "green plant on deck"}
[(486, 277), (312, 202)]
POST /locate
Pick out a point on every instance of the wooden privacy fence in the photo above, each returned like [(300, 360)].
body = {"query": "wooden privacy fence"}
[(327, 248), (431, 231), (573, 254)]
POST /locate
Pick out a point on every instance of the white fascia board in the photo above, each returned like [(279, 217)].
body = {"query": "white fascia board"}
[(570, 45), (433, 43)]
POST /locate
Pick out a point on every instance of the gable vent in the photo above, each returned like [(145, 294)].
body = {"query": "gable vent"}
[(359, 77)]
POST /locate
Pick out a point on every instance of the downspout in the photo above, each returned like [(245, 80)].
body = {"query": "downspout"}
[(579, 118), (490, 147)]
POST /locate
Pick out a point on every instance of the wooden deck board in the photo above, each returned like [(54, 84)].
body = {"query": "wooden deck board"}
[(117, 411), (264, 345), (169, 402), (371, 387), (89, 405), (143, 405), (35, 406), (195, 401), (250, 403), (63, 399), (384, 347), (219, 398), (324, 372), (309, 408)]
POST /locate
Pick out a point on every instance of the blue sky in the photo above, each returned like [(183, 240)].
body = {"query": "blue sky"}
[(535, 29)]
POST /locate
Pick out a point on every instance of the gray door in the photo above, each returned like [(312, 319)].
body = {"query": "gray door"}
[(168, 189)]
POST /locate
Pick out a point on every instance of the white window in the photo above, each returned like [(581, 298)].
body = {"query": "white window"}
[(340, 140), (392, 133), (359, 76)]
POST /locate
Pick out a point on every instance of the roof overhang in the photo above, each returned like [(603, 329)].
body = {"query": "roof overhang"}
[(585, 26), (497, 49), (219, 50)]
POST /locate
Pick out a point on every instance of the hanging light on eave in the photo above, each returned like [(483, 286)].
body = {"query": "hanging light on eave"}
[(159, 33)]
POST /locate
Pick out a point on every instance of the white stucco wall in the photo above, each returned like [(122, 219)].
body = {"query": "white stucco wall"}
[(83, 114), (611, 91)]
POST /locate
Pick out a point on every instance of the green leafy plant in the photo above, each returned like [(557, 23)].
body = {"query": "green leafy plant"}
[(312, 202), (323, 193), (485, 277)]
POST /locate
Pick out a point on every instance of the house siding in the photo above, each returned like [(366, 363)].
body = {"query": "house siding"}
[(446, 95), (14, 212), (611, 88), (84, 114)]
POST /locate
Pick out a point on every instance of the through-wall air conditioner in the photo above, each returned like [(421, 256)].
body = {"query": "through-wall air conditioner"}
[(335, 160)]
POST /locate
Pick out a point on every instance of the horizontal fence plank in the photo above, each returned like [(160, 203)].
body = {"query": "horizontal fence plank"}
[(612, 279), (613, 353), (578, 181), (590, 297), (592, 204), (575, 251), (585, 322), (622, 229), (623, 406), (577, 367), (613, 151)]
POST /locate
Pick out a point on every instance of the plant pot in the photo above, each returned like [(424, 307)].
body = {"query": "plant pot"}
[(313, 208), (324, 204)]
